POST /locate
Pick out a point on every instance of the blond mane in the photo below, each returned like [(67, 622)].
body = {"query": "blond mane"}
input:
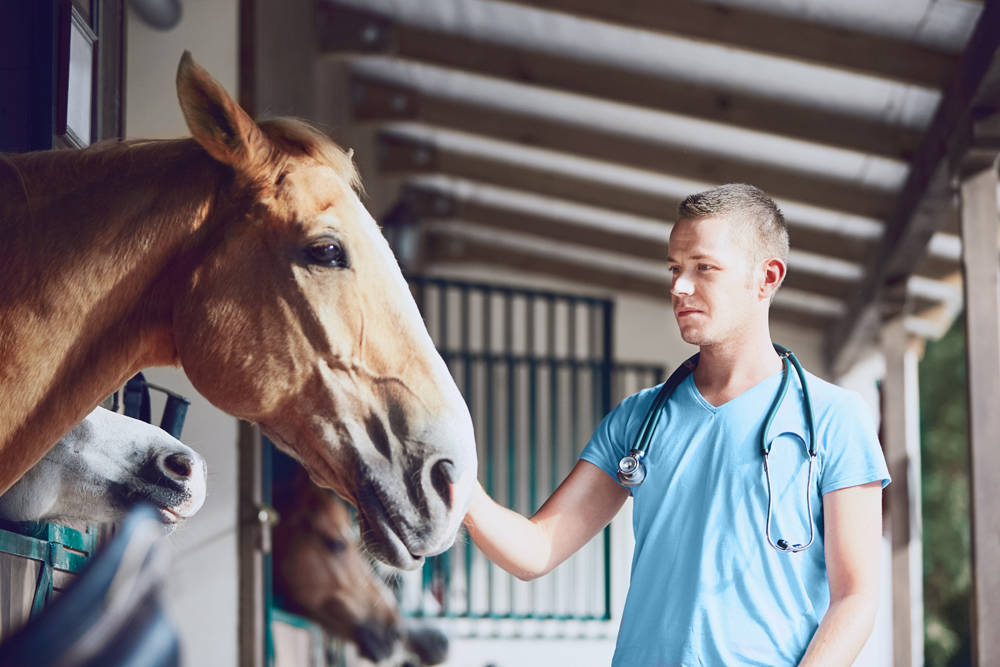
[(297, 137)]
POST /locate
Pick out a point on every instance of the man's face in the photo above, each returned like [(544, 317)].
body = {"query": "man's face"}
[(714, 287)]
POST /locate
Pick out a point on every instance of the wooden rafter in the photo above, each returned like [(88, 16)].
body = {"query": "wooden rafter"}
[(745, 28), (926, 201), (348, 29), (426, 203), (401, 155), (380, 101)]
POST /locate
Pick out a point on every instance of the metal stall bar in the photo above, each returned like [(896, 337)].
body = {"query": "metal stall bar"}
[(467, 391), (442, 563), (554, 416), (574, 423), (607, 354), (553, 393), (490, 432), (511, 369)]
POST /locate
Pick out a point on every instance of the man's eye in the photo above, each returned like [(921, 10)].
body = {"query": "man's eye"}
[(704, 267), (673, 269)]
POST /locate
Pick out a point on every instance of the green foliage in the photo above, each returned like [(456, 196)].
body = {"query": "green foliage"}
[(945, 480)]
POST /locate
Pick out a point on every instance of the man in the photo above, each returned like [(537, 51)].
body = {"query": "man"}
[(707, 587)]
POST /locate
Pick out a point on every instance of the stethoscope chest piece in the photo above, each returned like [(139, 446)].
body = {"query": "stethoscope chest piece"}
[(631, 471)]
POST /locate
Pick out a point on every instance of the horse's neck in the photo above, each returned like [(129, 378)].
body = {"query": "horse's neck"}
[(82, 304)]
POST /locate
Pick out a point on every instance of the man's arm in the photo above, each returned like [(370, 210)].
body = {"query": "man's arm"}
[(853, 537), (528, 548)]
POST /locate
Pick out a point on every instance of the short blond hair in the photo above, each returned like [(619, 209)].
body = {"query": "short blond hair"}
[(747, 206)]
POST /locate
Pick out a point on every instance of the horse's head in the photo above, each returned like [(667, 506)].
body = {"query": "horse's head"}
[(296, 316), (321, 573), (103, 467)]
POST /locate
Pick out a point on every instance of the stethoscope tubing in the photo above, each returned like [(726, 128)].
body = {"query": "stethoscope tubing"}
[(632, 471)]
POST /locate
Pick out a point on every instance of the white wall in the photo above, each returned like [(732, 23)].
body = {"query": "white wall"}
[(202, 585)]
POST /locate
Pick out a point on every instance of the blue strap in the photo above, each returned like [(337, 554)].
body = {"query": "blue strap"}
[(645, 433)]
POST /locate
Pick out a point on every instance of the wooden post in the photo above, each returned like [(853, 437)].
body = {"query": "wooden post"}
[(252, 594), (982, 330), (901, 434)]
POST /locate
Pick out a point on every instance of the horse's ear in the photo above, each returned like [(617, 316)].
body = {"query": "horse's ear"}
[(216, 121)]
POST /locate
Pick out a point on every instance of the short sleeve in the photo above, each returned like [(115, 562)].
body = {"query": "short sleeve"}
[(613, 436), (851, 448)]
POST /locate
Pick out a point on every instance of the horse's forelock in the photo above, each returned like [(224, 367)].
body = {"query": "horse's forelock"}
[(296, 137)]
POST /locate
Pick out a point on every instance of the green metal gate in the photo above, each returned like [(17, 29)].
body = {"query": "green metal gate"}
[(535, 368)]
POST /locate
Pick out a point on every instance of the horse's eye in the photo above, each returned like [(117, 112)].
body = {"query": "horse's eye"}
[(327, 253), (334, 544)]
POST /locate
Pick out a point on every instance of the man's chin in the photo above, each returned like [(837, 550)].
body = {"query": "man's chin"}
[(692, 336)]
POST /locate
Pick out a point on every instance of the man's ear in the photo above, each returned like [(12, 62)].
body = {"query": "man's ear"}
[(773, 275)]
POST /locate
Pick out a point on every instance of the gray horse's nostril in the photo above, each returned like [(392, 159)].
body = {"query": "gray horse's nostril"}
[(178, 465), (443, 477), (376, 641)]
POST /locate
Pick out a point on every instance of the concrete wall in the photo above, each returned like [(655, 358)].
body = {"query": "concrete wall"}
[(202, 590)]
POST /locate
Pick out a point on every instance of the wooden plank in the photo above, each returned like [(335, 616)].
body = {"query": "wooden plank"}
[(744, 28), (925, 203), (901, 439), (293, 646), (247, 83), (401, 155), (376, 101), (110, 85), (18, 576), (344, 29), (250, 571), (430, 203), (440, 247), (980, 227)]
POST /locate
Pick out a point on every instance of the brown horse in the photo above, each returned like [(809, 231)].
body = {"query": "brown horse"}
[(244, 255), (320, 573)]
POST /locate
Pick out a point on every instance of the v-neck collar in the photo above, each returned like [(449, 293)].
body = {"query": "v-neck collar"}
[(716, 408)]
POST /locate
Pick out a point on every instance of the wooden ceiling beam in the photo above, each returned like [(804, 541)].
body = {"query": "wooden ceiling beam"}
[(927, 200), (430, 203), (379, 101), (345, 29), (441, 247), (771, 34), (399, 155)]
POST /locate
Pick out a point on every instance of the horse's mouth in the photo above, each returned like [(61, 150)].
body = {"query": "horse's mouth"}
[(381, 536)]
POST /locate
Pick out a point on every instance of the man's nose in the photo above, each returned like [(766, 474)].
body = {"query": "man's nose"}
[(681, 286)]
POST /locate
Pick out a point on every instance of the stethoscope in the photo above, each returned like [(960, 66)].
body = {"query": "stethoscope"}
[(632, 471)]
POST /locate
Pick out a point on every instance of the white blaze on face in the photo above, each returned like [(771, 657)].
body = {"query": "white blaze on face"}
[(102, 467)]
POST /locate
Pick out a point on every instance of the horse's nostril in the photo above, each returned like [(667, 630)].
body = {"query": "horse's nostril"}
[(180, 465), (375, 642), (443, 477)]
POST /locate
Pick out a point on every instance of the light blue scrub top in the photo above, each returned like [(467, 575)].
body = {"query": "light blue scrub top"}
[(706, 587)]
